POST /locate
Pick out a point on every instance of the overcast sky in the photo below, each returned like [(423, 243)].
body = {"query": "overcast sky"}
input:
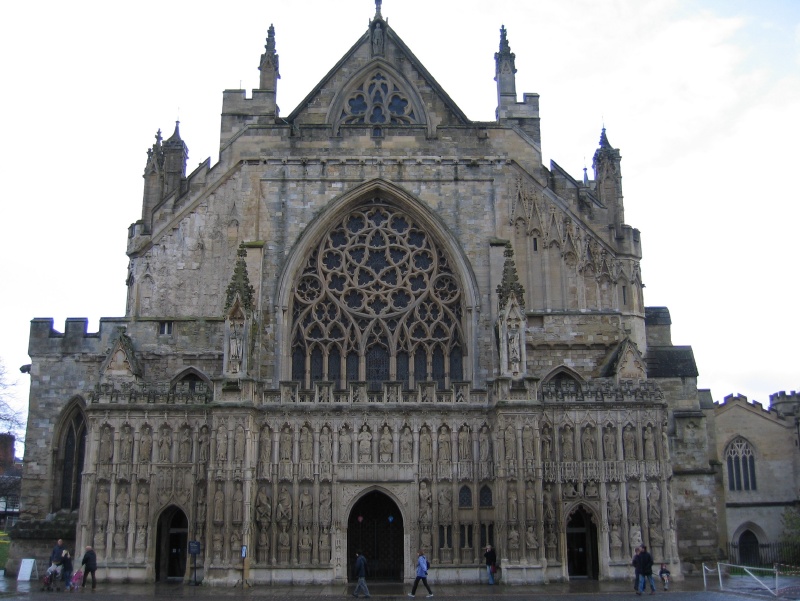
[(701, 97)]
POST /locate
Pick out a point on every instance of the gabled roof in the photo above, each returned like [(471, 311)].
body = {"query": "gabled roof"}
[(390, 35)]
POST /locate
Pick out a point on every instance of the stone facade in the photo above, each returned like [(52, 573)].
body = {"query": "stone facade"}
[(373, 316)]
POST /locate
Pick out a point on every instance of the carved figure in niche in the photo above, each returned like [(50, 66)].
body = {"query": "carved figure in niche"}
[(530, 502), (629, 443), (236, 543), (217, 545), (445, 454), (616, 539), (547, 502), (569, 490), (284, 508), (306, 508), (635, 536), (424, 503), (406, 446), (425, 538), (325, 506), (283, 538), (609, 444), (263, 508), (263, 543), (512, 505), (464, 445), (201, 504), (425, 446), (547, 444), (100, 537), (305, 539), (123, 507), (364, 445), (203, 444), (306, 444), (235, 347), (665, 443), (527, 443), (484, 444), (591, 489), (345, 446), (445, 504), (126, 444), (510, 440), (656, 536), (286, 446), (634, 515), (119, 540), (142, 505), (219, 504), (654, 503), (377, 40), (222, 443), (238, 444), (614, 507), (513, 538), (587, 441), (324, 546), (649, 444), (264, 447), (238, 503), (567, 444), (325, 445), (530, 538), (185, 446), (106, 451), (164, 445), (141, 538), (385, 445), (513, 344), (101, 505)]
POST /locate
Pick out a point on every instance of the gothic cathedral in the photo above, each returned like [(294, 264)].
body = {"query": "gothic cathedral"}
[(373, 324)]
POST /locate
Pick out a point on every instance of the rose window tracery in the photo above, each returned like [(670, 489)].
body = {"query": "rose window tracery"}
[(377, 301), (378, 101)]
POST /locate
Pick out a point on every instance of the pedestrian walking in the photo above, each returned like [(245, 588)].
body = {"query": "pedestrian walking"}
[(422, 574), (491, 562), (89, 564), (361, 573), (637, 572), (645, 571), (66, 570)]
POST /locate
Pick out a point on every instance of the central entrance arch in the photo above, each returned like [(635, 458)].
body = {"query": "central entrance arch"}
[(172, 541), (582, 557), (375, 527)]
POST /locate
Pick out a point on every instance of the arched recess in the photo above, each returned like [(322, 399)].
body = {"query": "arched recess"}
[(190, 381), (583, 555), (69, 449), (398, 86), (375, 527), (377, 192), (172, 544)]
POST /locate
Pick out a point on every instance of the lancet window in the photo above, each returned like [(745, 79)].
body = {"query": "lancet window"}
[(741, 462), (377, 301), (70, 461)]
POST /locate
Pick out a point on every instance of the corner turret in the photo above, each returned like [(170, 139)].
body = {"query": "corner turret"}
[(153, 179), (608, 179), (269, 65), (524, 114), (176, 153)]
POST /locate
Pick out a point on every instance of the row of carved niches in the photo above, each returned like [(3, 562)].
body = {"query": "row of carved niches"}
[(375, 442)]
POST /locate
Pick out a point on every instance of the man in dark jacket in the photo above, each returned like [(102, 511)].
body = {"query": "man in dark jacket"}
[(491, 561), (637, 572), (57, 552), (89, 564), (646, 571), (361, 574)]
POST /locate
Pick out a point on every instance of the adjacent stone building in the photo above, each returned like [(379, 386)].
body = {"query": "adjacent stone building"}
[(373, 324)]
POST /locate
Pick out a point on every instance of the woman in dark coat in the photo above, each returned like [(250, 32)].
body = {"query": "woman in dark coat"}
[(89, 564)]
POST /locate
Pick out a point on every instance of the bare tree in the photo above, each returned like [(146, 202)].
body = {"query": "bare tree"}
[(11, 420)]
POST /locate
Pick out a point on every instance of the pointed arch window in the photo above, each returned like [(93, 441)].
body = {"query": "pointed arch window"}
[(741, 461), (69, 462), (378, 290)]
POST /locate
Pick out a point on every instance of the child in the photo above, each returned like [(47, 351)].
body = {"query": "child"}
[(66, 570), (663, 573)]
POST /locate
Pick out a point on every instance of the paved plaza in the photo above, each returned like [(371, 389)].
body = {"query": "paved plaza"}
[(691, 589)]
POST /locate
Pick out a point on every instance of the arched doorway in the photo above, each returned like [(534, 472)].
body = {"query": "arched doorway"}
[(748, 549), (375, 527), (172, 540), (582, 559)]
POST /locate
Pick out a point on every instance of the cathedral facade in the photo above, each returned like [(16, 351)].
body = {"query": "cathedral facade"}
[(374, 324)]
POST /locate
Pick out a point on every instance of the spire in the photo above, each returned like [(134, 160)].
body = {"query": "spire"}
[(509, 284), (240, 283), (270, 73), (608, 178), (176, 153), (504, 75)]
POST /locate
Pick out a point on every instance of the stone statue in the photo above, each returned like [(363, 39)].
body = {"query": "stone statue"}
[(345, 446), (145, 446), (512, 505), (510, 440), (325, 445), (633, 505), (203, 444), (385, 445), (513, 344), (142, 503), (185, 447), (238, 444), (424, 503), (425, 446), (126, 444), (286, 446), (484, 444), (164, 445), (513, 538), (235, 347), (406, 446), (591, 489), (464, 446), (445, 504), (567, 444), (238, 503), (265, 447), (364, 445), (614, 507), (306, 445), (106, 452), (665, 443), (377, 40), (654, 503), (527, 443), (587, 441), (445, 454), (219, 505), (547, 444), (609, 444), (101, 505), (629, 443), (649, 444), (222, 444), (284, 509), (530, 502), (547, 502), (325, 506), (530, 538), (263, 508), (306, 507), (123, 507)]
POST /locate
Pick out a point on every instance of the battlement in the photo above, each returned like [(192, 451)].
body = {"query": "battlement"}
[(46, 340), (785, 403)]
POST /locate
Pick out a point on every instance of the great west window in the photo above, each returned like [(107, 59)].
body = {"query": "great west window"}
[(377, 301)]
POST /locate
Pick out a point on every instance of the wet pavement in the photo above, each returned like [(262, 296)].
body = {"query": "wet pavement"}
[(690, 589)]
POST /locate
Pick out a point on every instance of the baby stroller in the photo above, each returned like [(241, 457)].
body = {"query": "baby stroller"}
[(51, 577), (77, 580)]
